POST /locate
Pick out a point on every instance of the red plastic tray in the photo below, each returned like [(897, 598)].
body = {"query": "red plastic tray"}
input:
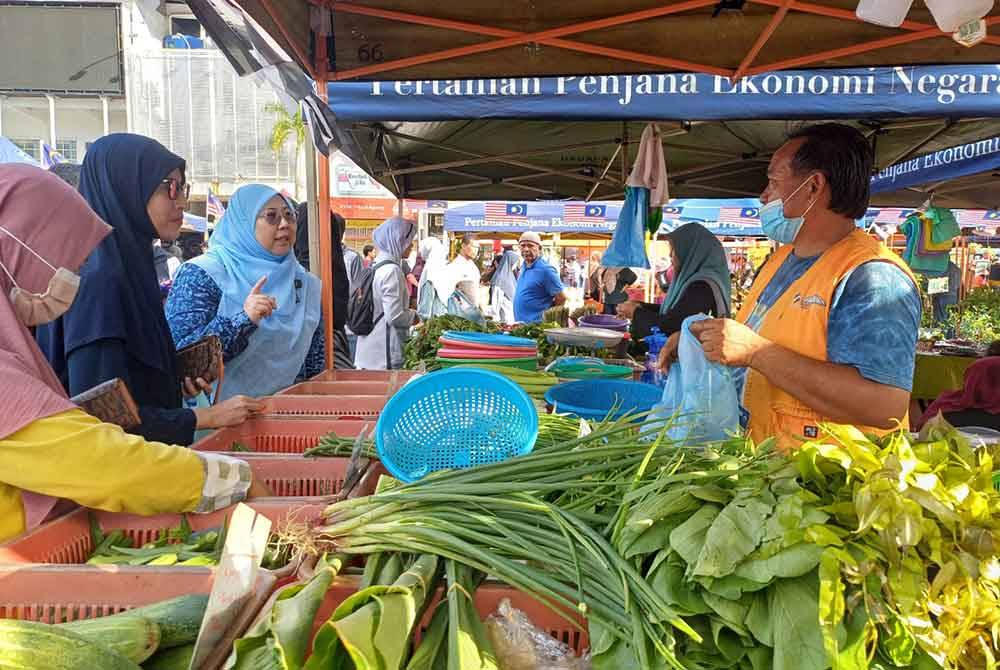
[(280, 435), (358, 407), (389, 376), (67, 540), (60, 593), (292, 476), (339, 388)]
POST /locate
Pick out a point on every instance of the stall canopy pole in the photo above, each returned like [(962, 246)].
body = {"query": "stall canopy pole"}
[(325, 230), (762, 39)]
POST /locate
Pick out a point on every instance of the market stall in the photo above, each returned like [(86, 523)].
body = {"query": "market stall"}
[(595, 536)]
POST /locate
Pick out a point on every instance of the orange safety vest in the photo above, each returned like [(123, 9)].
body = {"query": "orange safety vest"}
[(798, 321)]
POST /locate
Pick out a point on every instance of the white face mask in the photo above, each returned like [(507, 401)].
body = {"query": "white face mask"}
[(34, 309)]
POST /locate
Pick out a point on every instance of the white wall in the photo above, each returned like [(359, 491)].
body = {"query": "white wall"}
[(78, 119)]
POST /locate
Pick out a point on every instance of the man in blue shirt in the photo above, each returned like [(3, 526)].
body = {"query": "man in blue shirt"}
[(538, 287)]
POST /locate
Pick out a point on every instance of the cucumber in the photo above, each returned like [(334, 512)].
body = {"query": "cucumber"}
[(179, 618), (135, 638), (178, 658), (28, 645)]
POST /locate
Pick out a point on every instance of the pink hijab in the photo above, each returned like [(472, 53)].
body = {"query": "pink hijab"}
[(46, 214)]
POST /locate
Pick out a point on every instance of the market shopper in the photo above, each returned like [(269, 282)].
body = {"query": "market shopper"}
[(382, 349), (116, 327), (340, 275), (613, 284), (251, 292), (977, 403), (701, 284), (828, 331), (503, 286), (50, 449), (435, 285), (538, 287)]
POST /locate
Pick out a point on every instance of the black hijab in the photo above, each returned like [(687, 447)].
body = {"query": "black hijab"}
[(341, 283)]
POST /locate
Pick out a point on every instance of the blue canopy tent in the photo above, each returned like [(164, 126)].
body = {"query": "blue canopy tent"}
[(11, 153)]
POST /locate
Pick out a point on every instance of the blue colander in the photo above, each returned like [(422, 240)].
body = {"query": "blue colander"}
[(456, 418)]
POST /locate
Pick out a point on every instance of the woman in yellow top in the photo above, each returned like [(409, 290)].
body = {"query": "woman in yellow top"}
[(49, 449)]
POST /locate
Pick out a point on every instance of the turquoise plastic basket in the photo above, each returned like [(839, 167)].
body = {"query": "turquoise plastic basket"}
[(454, 419)]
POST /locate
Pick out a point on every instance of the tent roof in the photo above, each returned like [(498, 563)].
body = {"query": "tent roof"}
[(414, 39), (547, 160)]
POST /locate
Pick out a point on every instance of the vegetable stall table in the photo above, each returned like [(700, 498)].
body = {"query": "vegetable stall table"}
[(935, 374)]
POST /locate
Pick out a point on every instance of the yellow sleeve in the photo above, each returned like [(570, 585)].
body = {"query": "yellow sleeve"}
[(73, 455)]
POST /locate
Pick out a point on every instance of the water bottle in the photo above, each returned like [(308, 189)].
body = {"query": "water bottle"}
[(654, 342), (889, 13), (951, 14)]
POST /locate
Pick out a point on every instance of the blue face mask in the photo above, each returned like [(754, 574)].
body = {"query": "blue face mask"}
[(779, 227)]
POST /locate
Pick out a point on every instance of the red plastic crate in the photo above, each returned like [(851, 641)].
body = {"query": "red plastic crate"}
[(487, 599), (280, 435), (297, 477), (67, 540), (60, 593), (338, 388), (396, 377), (357, 407)]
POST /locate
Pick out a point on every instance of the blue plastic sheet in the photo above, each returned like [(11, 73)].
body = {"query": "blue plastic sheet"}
[(699, 397)]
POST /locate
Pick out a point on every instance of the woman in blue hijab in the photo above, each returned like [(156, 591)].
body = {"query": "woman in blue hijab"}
[(116, 327), (503, 285), (701, 284), (250, 290)]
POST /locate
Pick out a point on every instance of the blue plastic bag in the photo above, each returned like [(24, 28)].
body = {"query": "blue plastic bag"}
[(699, 397), (628, 243)]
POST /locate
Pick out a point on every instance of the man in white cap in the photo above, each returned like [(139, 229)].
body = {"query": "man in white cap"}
[(538, 287)]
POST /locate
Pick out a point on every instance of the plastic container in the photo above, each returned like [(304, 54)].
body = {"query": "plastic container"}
[(488, 339), (60, 593), (487, 599), (454, 419), (297, 477), (395, 377), (591, 338), (67, 540), (952, 14), (608, 321), (285, 435), (519, 363), (343, 407), (889, 13), (655, 341), (597, 398), (339, 388)]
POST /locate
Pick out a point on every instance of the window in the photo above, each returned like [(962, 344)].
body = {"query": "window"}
[(185, 25), (68, 149), (31, 147)]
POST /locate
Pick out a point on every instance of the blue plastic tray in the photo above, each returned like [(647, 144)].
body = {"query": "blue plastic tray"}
[(489, 339), (596, 398)]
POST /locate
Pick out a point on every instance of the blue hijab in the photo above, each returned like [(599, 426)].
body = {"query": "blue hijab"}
[(504, 276), (119, 296), (702, 258), (235, 261)]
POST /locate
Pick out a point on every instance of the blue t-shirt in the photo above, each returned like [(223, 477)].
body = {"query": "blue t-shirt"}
[(536, 287), (873, 321)]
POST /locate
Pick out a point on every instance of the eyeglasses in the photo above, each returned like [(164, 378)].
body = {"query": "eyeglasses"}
[(177, 188), (274, 217)]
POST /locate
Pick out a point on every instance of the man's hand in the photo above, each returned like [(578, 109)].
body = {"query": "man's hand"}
[(728, 342)]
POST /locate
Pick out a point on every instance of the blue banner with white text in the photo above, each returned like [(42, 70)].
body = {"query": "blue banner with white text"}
[(938, 90), (951, 163)]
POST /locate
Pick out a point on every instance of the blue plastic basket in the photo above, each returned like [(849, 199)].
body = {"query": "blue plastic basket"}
[(454, 419), (489, 339), (595, 398)]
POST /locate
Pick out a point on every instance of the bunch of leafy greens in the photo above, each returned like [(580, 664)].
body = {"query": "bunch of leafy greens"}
[(852, 553), (977, 317)]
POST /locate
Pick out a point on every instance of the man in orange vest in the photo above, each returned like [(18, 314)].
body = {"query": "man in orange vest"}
[(828, 331)]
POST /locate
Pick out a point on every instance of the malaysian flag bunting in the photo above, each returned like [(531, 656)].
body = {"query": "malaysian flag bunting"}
[(738, 216), (213, 207), (582, 211), (50, 157), (509, 212), (892, 215)]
